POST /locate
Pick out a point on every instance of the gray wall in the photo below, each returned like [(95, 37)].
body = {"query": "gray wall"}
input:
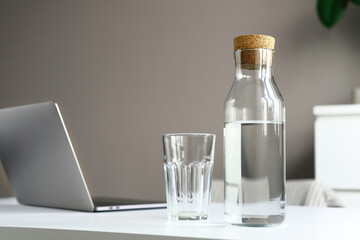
[(125, 72)]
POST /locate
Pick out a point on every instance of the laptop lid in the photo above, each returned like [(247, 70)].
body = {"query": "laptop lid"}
[(39, 158)]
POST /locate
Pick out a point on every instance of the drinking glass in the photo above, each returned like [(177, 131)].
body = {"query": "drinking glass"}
[(188, 166)]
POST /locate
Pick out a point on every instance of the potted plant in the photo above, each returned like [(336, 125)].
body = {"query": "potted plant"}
[(330, 11)]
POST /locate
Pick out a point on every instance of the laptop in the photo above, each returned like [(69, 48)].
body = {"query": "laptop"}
[(41, 164)]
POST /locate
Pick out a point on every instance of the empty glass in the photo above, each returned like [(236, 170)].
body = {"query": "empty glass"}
[(188, 165)]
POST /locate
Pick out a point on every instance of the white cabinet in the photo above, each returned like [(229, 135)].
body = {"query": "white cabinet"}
[(337, 150)]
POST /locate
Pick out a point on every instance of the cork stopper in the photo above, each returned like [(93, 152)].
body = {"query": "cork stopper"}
[(254, 50), (254, 41)]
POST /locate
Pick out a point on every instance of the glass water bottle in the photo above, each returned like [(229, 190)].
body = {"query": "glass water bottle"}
[(254, 137)]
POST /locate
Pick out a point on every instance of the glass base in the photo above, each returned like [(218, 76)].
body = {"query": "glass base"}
[(255, 221), (188, 216)]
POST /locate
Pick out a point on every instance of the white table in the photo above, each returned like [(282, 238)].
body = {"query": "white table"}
[(26, 222)]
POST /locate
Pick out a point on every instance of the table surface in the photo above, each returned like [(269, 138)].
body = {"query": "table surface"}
[(18, 221)]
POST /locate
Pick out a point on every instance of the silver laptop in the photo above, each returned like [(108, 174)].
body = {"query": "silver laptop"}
[(41, 163)]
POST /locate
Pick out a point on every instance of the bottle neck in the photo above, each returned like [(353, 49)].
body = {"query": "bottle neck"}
[(254, 63)]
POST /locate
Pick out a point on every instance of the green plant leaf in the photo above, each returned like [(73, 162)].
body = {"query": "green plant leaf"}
[(330, 11), (357, 2)]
